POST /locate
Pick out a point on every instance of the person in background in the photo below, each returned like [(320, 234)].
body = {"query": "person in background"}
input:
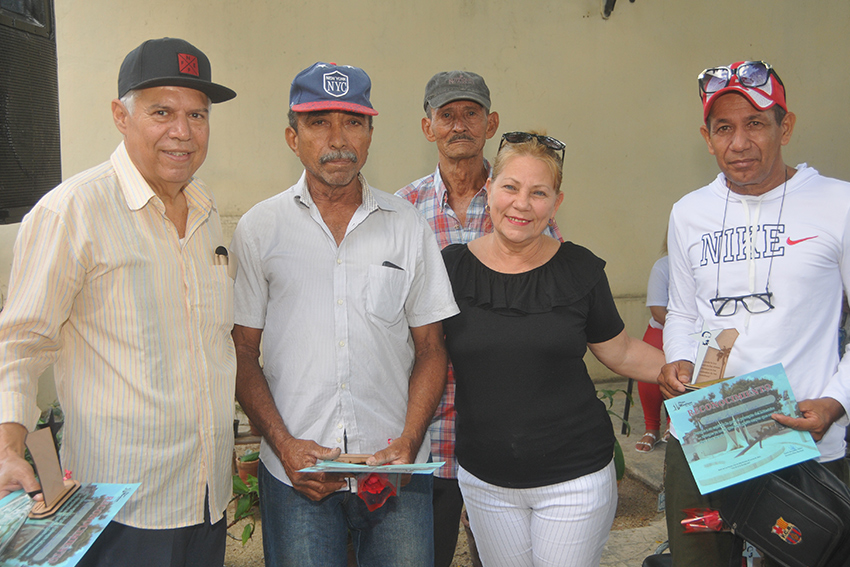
[(650, 394), (126, 298), (535, 445), (453, 199)]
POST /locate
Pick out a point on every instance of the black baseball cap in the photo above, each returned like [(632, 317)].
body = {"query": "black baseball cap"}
[(169, 62)]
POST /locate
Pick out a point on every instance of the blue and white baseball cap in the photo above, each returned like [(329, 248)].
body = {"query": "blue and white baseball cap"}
[(328, 86)]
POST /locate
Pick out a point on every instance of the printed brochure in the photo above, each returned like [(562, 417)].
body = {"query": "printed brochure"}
[(60, 540), (727, 433)]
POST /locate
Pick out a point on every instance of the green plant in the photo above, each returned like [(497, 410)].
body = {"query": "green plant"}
[(607, 397), (248, 457), (247, 497)]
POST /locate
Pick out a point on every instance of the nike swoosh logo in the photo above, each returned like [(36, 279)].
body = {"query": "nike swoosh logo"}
[(793, 242)]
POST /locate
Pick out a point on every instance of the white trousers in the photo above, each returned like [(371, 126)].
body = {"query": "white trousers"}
[(564, 524)]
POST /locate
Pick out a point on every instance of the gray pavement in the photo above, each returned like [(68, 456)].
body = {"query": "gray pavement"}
[(628, 548)]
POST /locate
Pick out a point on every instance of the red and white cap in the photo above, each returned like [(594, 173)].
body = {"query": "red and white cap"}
[(763, 97)]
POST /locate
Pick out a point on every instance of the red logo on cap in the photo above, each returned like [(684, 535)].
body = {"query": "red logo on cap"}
[(188, 64)]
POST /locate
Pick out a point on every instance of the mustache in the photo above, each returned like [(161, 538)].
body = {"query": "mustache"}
[(457, 137), (337, 155)]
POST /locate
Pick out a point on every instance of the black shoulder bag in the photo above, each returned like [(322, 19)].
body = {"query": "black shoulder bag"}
[(798, 516)]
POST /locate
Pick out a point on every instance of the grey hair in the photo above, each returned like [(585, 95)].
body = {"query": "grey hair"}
[(129, 101)]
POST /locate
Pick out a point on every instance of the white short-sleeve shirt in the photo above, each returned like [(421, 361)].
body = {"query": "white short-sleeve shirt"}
[(336, 320)]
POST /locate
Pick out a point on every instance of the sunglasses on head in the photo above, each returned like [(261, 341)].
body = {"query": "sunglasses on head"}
[(553, 144), (750, 74)]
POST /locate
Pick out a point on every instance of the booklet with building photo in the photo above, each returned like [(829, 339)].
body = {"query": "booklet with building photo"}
[(62, 539), (727, 433)]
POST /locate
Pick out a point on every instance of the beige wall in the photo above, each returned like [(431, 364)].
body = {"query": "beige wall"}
[(621, 93)]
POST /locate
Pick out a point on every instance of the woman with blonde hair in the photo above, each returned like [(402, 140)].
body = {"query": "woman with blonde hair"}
[(534, 444)]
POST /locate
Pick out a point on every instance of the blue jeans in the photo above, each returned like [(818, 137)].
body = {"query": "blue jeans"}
[(299, 532)]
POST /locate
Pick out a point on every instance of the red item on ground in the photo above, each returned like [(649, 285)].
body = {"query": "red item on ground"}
[(374, 489)]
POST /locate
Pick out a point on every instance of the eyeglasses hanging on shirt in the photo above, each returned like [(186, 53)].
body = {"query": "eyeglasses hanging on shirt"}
[(755, 303)]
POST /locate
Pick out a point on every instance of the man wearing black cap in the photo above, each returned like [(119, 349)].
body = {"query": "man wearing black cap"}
[(346, 288), (453, 199), (763, 249), (115, 281)]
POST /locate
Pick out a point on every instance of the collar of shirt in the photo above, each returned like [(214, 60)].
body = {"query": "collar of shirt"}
[(138, 193), (369, 202), (443, 194)]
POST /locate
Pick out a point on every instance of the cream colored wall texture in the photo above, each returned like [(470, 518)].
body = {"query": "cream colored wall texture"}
[(621, 93)]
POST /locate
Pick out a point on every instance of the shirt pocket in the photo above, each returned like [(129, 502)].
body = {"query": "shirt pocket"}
[(386, 292), (216, 298)]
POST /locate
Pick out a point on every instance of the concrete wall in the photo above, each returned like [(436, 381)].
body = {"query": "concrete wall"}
[(621, 93)]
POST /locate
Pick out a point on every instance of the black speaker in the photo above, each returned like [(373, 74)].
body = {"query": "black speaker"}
[(29, 106)]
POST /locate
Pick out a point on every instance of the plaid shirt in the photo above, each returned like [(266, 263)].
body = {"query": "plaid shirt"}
[(429, 195)]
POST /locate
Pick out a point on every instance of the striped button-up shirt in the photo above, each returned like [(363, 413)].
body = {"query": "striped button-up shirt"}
[(430, 196), (137, 322)]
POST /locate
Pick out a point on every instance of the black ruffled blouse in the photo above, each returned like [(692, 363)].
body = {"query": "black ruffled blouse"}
[(527, 411)]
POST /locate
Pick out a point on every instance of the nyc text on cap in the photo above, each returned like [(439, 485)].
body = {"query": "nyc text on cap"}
[(327, 86)]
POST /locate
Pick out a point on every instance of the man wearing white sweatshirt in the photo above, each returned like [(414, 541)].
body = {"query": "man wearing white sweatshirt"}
[(763, 249)]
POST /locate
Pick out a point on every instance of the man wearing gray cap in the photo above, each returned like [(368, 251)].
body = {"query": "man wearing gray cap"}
[(345, 288), (453, 200), (127, 300)]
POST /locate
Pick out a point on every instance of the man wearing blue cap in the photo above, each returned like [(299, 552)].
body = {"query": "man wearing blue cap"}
[(125, 298), (346, 288)]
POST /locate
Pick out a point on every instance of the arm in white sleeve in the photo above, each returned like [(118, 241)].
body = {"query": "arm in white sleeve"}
[(682, 315), (656, 287), (838, 386)]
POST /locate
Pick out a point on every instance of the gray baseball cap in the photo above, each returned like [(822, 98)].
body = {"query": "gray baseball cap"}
[(450, 86)]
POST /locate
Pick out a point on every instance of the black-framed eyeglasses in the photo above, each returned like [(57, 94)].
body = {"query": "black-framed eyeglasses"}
[(755, 303), (750, 74), (522, 137)]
